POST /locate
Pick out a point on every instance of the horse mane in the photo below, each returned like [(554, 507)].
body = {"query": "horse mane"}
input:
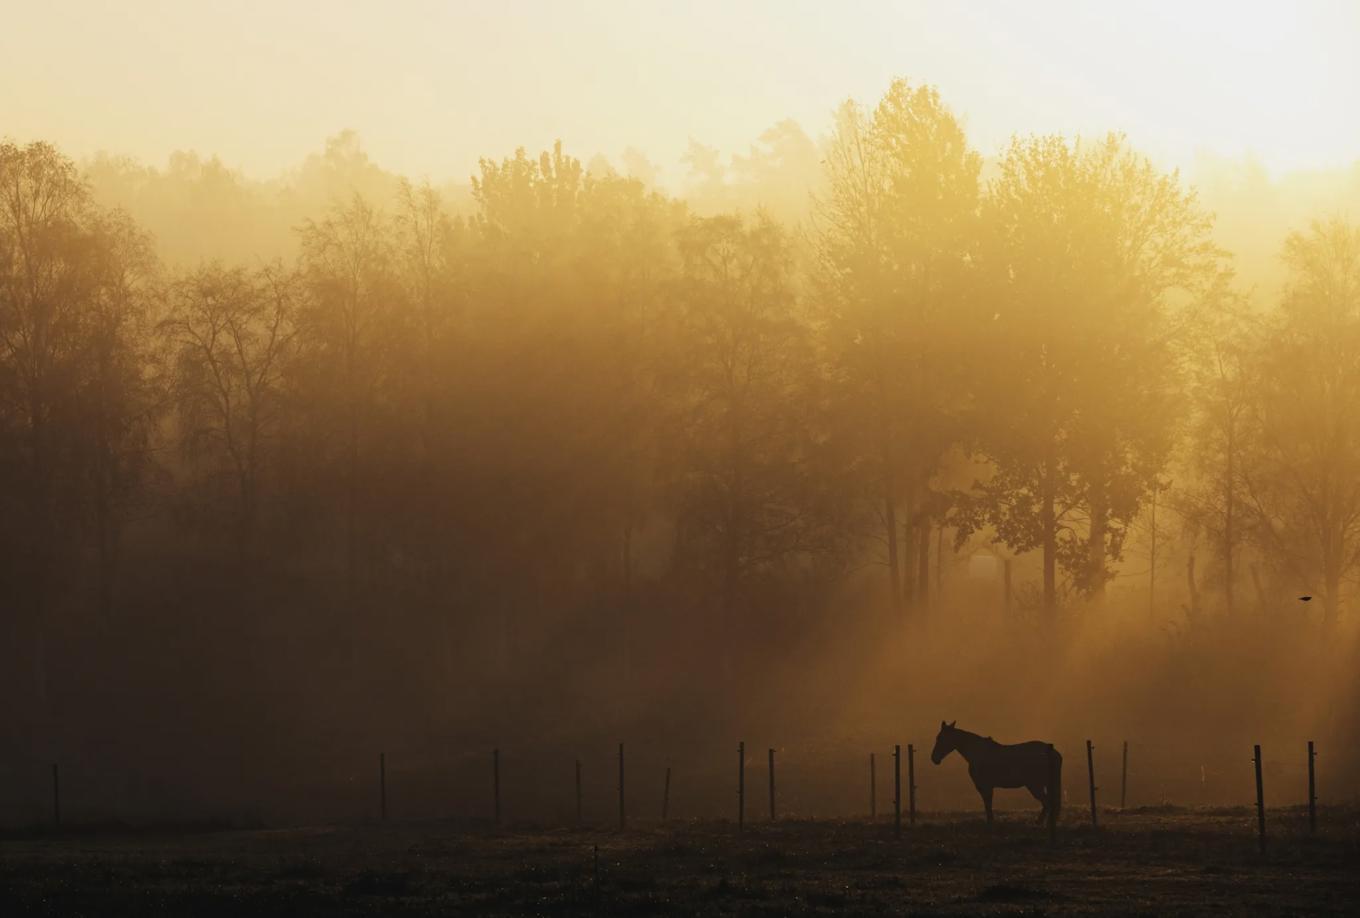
[(976, 736)]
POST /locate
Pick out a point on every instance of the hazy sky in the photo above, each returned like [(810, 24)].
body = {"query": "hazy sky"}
[(430, 85)]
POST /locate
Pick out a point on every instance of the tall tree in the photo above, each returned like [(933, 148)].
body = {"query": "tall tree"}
[(894, 231), (744, 362), (1304, 484), (1222, 363), (1091, 249), (119, 386), (73, 401), (349, 320), (232, 333)]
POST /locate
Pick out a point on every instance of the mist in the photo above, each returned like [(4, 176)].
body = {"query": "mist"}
[(813, 445)]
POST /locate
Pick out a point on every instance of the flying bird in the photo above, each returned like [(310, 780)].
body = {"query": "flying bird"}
[(1305, 599)]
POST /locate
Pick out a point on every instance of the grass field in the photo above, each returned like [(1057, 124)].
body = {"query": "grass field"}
[(1150, 861)]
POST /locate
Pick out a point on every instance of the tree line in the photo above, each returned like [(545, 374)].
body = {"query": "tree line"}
[(577, 406)]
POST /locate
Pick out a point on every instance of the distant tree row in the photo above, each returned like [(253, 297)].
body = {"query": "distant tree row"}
[(579, 404)]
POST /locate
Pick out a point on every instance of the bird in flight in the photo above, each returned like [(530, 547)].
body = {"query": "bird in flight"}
[(1305, 598)]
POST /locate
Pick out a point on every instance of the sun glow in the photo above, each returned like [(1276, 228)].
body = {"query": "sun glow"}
[(261, 84)]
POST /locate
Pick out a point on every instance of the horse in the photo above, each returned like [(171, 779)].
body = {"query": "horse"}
[(992, 765)]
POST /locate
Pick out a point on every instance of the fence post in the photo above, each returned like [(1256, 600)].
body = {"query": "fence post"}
[(1091, 780), (496, 783), (578, 792), (1053, 795), (873, 791), (1006, 578), (1260, 799), (771, 785), (911, 784), (666, 796), (56, 795), (1124, 777), (1312, 792), (897, 791), (741, 785), (382, 784)]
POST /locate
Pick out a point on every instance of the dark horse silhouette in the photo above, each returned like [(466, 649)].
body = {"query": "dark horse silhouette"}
[(992, 765)]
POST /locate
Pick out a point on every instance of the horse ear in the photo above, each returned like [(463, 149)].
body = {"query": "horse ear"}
[(943, 725), (951, 725)]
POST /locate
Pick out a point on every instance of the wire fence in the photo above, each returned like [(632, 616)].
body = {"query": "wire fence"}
[(558, 785)]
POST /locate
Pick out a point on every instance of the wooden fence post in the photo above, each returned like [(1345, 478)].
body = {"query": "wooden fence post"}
[(382, 784), (741, 785), (1124, 777), (578, 792), (1091, 780), (1053, 795), (1260, 799), (873, 791), (666, 796), (496, 783), (897, 791), (56, 795), (911, 784), (1312, 792), (771, 785)]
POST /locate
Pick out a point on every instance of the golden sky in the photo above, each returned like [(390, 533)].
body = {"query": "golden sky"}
[(431, 85)]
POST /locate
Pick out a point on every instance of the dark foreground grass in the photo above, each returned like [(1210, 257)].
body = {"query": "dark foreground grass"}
[(1162, 861)]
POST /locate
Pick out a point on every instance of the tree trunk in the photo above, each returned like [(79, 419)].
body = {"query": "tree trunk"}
[(1152, 562), (103, 535), (351, 518), (888, 456), (626, 612), (1261, 598), (42, 508), (734, 544), (1192, 588), (1095, 546), (923, 564), (1332, 600), (909, 564), (894, 575), (1228, 534), (729, 599), (939, 562), (1049, 522)]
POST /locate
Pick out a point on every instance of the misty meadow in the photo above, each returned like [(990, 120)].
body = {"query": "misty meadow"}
[(808, 447)]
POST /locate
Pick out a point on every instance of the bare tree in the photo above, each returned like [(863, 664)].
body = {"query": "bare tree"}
[(231, 331)]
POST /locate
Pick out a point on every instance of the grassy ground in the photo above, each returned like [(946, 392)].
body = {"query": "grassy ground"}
[(1155, 861)]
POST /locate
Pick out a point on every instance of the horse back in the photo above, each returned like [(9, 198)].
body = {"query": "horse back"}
[(1034, 747)]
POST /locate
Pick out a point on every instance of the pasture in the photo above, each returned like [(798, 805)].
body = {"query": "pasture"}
[(1152, 860)]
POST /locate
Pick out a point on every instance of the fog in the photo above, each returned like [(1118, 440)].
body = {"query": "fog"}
[(830, 438)]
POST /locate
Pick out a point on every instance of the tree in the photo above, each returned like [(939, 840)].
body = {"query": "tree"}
[(426, 250), (232, 334), (349, 319), (1089, 247), (1304, 481), (894, 232), (1222, 364), (744, 363), (74, 404), (118, 388)]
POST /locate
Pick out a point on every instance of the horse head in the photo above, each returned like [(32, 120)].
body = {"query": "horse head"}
[(945, 743)]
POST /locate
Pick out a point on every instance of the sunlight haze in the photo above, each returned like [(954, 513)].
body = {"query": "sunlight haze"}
[(411, 412), (431, 86)]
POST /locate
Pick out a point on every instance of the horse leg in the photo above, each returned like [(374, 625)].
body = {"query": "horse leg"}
[(1041, 795), (986, 793)]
